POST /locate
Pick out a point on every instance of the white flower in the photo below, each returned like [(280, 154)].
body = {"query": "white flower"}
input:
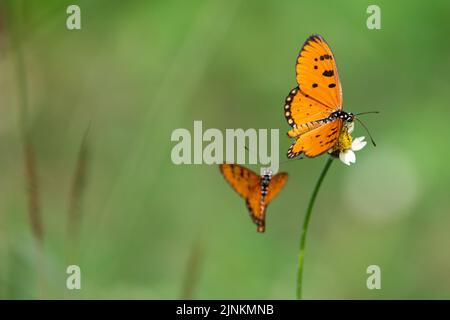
[(346, 146), (348, 156)]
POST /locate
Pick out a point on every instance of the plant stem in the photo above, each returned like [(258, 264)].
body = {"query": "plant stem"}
[(301, 254)]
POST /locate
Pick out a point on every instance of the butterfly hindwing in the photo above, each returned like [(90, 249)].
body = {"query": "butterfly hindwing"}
[(256, 209), (317, 73), (317, 141)]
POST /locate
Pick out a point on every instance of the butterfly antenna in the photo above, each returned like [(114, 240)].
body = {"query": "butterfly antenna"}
[(368, 132), (367, 112)]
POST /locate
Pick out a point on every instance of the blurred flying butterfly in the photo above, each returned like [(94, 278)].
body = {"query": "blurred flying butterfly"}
[(257, 190), (314, 108)]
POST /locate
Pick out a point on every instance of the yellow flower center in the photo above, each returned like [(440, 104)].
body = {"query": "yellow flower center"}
[(344, 141)]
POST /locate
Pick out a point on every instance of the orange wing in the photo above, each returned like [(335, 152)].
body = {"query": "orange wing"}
[(242, 180), (317, 74), (317, 141), (302, 112), (248, 185), (275, 185), (257, 208)]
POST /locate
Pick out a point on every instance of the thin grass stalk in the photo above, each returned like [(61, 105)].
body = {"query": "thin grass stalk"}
[(77, 188), (30, 166), (192, 271)]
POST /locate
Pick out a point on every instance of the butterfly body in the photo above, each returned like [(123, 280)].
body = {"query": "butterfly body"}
[(342, 115), (265, 182), (314, 108), (258, 191)]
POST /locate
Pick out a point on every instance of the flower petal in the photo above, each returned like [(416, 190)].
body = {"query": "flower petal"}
[(343, 158), (358, 143), (347, 157), (351, 157)]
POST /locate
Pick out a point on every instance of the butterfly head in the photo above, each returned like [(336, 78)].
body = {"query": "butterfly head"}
[(345, 116), (266, 172), (350, 117)]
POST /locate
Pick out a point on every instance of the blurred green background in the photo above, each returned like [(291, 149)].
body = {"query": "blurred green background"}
[(149, 229)]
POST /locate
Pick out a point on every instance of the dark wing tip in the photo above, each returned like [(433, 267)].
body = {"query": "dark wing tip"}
[(315, 37), (311, 38)]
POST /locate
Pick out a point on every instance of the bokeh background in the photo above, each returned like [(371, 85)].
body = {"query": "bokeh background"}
[(85, 123)]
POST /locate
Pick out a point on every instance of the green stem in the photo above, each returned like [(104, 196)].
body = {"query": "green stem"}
[(301, 254)]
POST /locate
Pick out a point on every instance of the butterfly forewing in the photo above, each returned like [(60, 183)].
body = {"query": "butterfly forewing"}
[(317, 73), (276, 184), (302, 112), (242, 180)]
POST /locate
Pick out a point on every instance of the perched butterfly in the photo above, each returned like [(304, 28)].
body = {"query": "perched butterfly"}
[(257, 190), (314, 108)]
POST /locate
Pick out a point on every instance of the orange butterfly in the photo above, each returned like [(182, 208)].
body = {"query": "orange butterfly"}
[(257, 190), (314, 107)]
